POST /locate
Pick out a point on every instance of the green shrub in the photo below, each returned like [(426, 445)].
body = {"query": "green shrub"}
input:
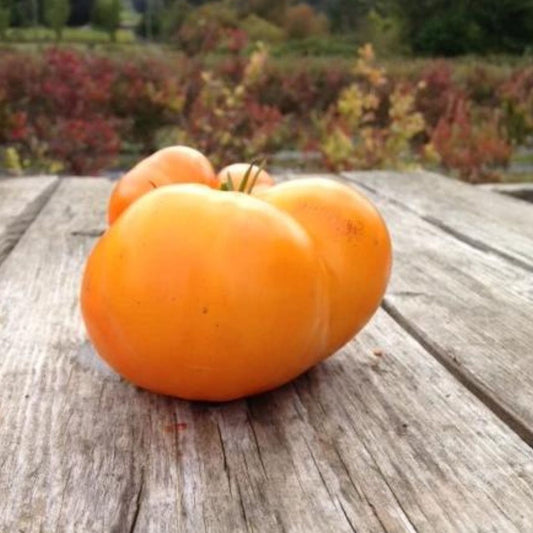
[(259, 29), (458, 27), (204, 28), (451, 34), (338, 45), (386, 33), (272, 10)]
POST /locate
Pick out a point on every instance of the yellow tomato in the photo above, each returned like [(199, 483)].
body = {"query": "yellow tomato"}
[(214, 295), (352, 240), (205, 295), (175, 164)]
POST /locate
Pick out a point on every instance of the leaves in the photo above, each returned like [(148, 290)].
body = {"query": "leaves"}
[(369, 128), (75, 110)]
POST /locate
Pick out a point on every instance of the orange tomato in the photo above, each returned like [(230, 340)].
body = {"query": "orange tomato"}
[(205, 295), (175, 164), (237, 171), (213, 295), (352, 240)]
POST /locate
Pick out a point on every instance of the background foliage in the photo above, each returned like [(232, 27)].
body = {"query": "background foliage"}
[(428, 27), (242, 77), (82, 112)]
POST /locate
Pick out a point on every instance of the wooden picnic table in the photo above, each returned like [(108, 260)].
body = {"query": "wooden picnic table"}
[(424, 422)]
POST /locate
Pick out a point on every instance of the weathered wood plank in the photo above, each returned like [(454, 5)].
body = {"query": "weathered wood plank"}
[(379, 438), (472, 309), (21, 199), (491, 222)]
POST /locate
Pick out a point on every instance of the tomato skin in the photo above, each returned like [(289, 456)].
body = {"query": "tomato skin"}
[(205, 295), (237, 171), (353, 241), (175, 164), (211, 295)]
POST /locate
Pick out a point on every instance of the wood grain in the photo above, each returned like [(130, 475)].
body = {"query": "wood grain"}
[(471, 308), (20, 201), (379, 438), (495, 223)]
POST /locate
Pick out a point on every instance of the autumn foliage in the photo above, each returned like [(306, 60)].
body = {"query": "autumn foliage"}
[(79, 112)]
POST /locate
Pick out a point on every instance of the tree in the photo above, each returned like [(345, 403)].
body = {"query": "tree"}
[(150, 23), (5, 17), (507, 25), (106, 15), (346, 15), (301, 21), (56, 15), (80, 12), (22, 13), (451, 27), (173, 18), (271, 10)]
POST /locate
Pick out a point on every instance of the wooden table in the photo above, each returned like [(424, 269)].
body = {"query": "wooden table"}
[(424, 422)]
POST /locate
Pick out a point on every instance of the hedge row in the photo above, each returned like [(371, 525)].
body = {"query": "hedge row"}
[(75, 111)]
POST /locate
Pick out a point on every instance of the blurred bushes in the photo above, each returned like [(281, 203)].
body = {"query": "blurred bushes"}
[(68, 111), (302, 21), (75, 111), (259, 29), (455, 27), (424, 27)]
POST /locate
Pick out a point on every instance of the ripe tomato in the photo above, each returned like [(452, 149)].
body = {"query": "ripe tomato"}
[(353, 242), (215, 295), (205, 295), (175, 164), (237, 171)]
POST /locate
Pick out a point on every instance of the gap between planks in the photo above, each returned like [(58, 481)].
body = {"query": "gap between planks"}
[(521, 427), (491, 223), (387, 443), (21, 200)]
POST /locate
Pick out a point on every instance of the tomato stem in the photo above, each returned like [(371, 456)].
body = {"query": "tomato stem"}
[(259, 170), (229, 185)]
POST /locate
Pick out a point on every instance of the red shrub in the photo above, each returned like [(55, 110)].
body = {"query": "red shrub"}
[(72, 110), (58, 106), (472, 147), (437, 91), (145, 95), (228, 126), (516, 95), (303, 89), (86, 146)]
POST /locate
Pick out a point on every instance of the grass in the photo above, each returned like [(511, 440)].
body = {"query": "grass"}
[(87, 35), (338, 46)]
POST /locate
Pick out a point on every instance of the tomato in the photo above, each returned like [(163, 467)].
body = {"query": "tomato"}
[(258, 177), (175, 164), (353, 242), (205, 295), (213, 295)]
